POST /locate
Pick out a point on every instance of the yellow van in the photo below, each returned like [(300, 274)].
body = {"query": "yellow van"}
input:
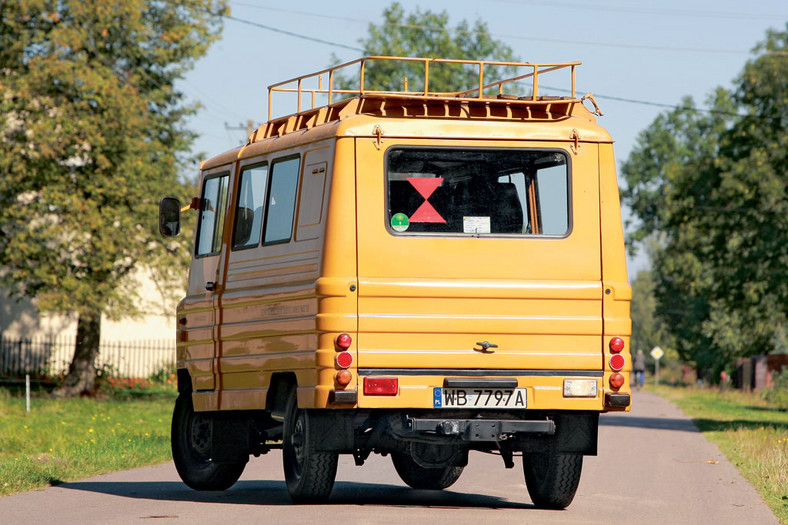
[(411, 273)]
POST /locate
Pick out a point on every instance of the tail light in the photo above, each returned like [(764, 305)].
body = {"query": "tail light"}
[(381, 386), (343, 342), (617, 362), (616, 381), (616, 345), (344, 377), (344, 359)]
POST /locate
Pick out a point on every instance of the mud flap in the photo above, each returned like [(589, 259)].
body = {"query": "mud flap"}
[(577, 433), (332, 431), (229, 438)]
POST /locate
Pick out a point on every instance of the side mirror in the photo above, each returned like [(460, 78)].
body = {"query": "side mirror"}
[(170, 217)]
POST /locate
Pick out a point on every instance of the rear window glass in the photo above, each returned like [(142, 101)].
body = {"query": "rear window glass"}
[(478, 192)]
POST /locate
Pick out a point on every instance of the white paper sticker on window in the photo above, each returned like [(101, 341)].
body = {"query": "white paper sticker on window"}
[(476, 224)]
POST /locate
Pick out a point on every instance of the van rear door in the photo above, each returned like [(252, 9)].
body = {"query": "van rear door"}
[(478, 258)]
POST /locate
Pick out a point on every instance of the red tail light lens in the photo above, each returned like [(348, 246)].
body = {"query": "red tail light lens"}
[(616, 345), (617, 362), (343, 341), (381, 386), (344, 359), (616, 381)]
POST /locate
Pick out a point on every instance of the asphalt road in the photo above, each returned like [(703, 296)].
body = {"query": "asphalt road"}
[(653, 467)]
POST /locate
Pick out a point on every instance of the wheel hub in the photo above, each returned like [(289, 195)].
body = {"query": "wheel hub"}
[(298, 438)]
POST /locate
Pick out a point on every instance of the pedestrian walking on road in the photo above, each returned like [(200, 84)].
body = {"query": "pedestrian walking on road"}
[(639, 366)]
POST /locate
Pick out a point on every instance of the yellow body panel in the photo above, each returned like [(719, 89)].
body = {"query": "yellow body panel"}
[(416, 306)]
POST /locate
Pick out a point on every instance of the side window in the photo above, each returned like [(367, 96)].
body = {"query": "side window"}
[(281, 201), (310, 207), (213, 206), (552, 200), (251, 204)]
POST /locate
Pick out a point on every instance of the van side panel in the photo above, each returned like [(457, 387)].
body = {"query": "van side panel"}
[(198, 314), (337, 302), (269, 305), (617, 321)]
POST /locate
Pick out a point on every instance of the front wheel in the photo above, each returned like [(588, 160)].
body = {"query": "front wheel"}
[(191, 449), (420, 477), (552, 478), (309, 474)]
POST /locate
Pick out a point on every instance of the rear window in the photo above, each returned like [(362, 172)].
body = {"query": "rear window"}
[(478, 192)]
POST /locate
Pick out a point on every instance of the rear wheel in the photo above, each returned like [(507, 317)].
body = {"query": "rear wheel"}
[(552, 478), (191, 449), (420, 477), (309, 474)]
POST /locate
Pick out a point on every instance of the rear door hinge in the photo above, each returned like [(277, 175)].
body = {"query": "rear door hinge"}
[(378, 132), (575, 138)]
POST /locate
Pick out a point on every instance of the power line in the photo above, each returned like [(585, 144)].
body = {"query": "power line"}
[(608, 97), (497, 35), (290, 33), (651, 10)]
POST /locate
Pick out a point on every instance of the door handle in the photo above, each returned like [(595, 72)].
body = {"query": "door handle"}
[(210, 286), (485, 347)]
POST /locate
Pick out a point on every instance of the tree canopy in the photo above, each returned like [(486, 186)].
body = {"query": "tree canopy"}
[(91, 135), (428, 34), (712, 187)]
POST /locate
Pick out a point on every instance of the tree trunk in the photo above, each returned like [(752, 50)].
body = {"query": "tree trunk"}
[(81, 377)]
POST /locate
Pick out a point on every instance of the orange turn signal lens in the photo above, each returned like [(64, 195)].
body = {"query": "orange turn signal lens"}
[(344, 377)]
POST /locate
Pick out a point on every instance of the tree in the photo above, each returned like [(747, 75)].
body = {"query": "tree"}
[(428, 34), (713, 187), (648, 330), (91, 136)]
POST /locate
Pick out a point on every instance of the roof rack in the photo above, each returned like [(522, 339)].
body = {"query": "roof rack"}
[(316, 103), (297, 85)]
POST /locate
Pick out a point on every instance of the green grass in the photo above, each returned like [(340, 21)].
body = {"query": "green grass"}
[(63, 440), (752, 433)]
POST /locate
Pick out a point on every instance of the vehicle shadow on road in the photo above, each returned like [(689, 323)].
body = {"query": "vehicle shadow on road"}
[(654, 423), (687, 425), (265, 492)]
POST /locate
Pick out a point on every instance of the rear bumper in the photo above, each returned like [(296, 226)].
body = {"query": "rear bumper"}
[(616, 401), (479, 429)]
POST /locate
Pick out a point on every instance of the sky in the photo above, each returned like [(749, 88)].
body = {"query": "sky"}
[(639, 58)]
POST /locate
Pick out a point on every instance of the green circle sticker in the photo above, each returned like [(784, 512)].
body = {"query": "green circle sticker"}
[(399, 222)]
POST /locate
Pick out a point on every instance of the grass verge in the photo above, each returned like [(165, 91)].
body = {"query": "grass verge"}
[(63, 440), (752, 434)]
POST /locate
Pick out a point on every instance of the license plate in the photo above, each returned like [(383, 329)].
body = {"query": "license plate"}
[(479, 397)]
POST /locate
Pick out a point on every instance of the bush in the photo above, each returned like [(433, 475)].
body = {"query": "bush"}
[(777, 394)]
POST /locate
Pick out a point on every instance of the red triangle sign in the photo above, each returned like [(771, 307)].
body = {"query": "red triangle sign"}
[(426, 213), (425, 187)]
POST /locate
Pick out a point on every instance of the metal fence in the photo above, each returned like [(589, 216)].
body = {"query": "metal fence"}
[(44, 357)]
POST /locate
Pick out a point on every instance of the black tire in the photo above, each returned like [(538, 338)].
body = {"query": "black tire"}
[(552, 478), (191, 449), (418, 477), (309, 474)]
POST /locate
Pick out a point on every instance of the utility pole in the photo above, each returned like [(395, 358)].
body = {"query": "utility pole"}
[(249, 128)]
